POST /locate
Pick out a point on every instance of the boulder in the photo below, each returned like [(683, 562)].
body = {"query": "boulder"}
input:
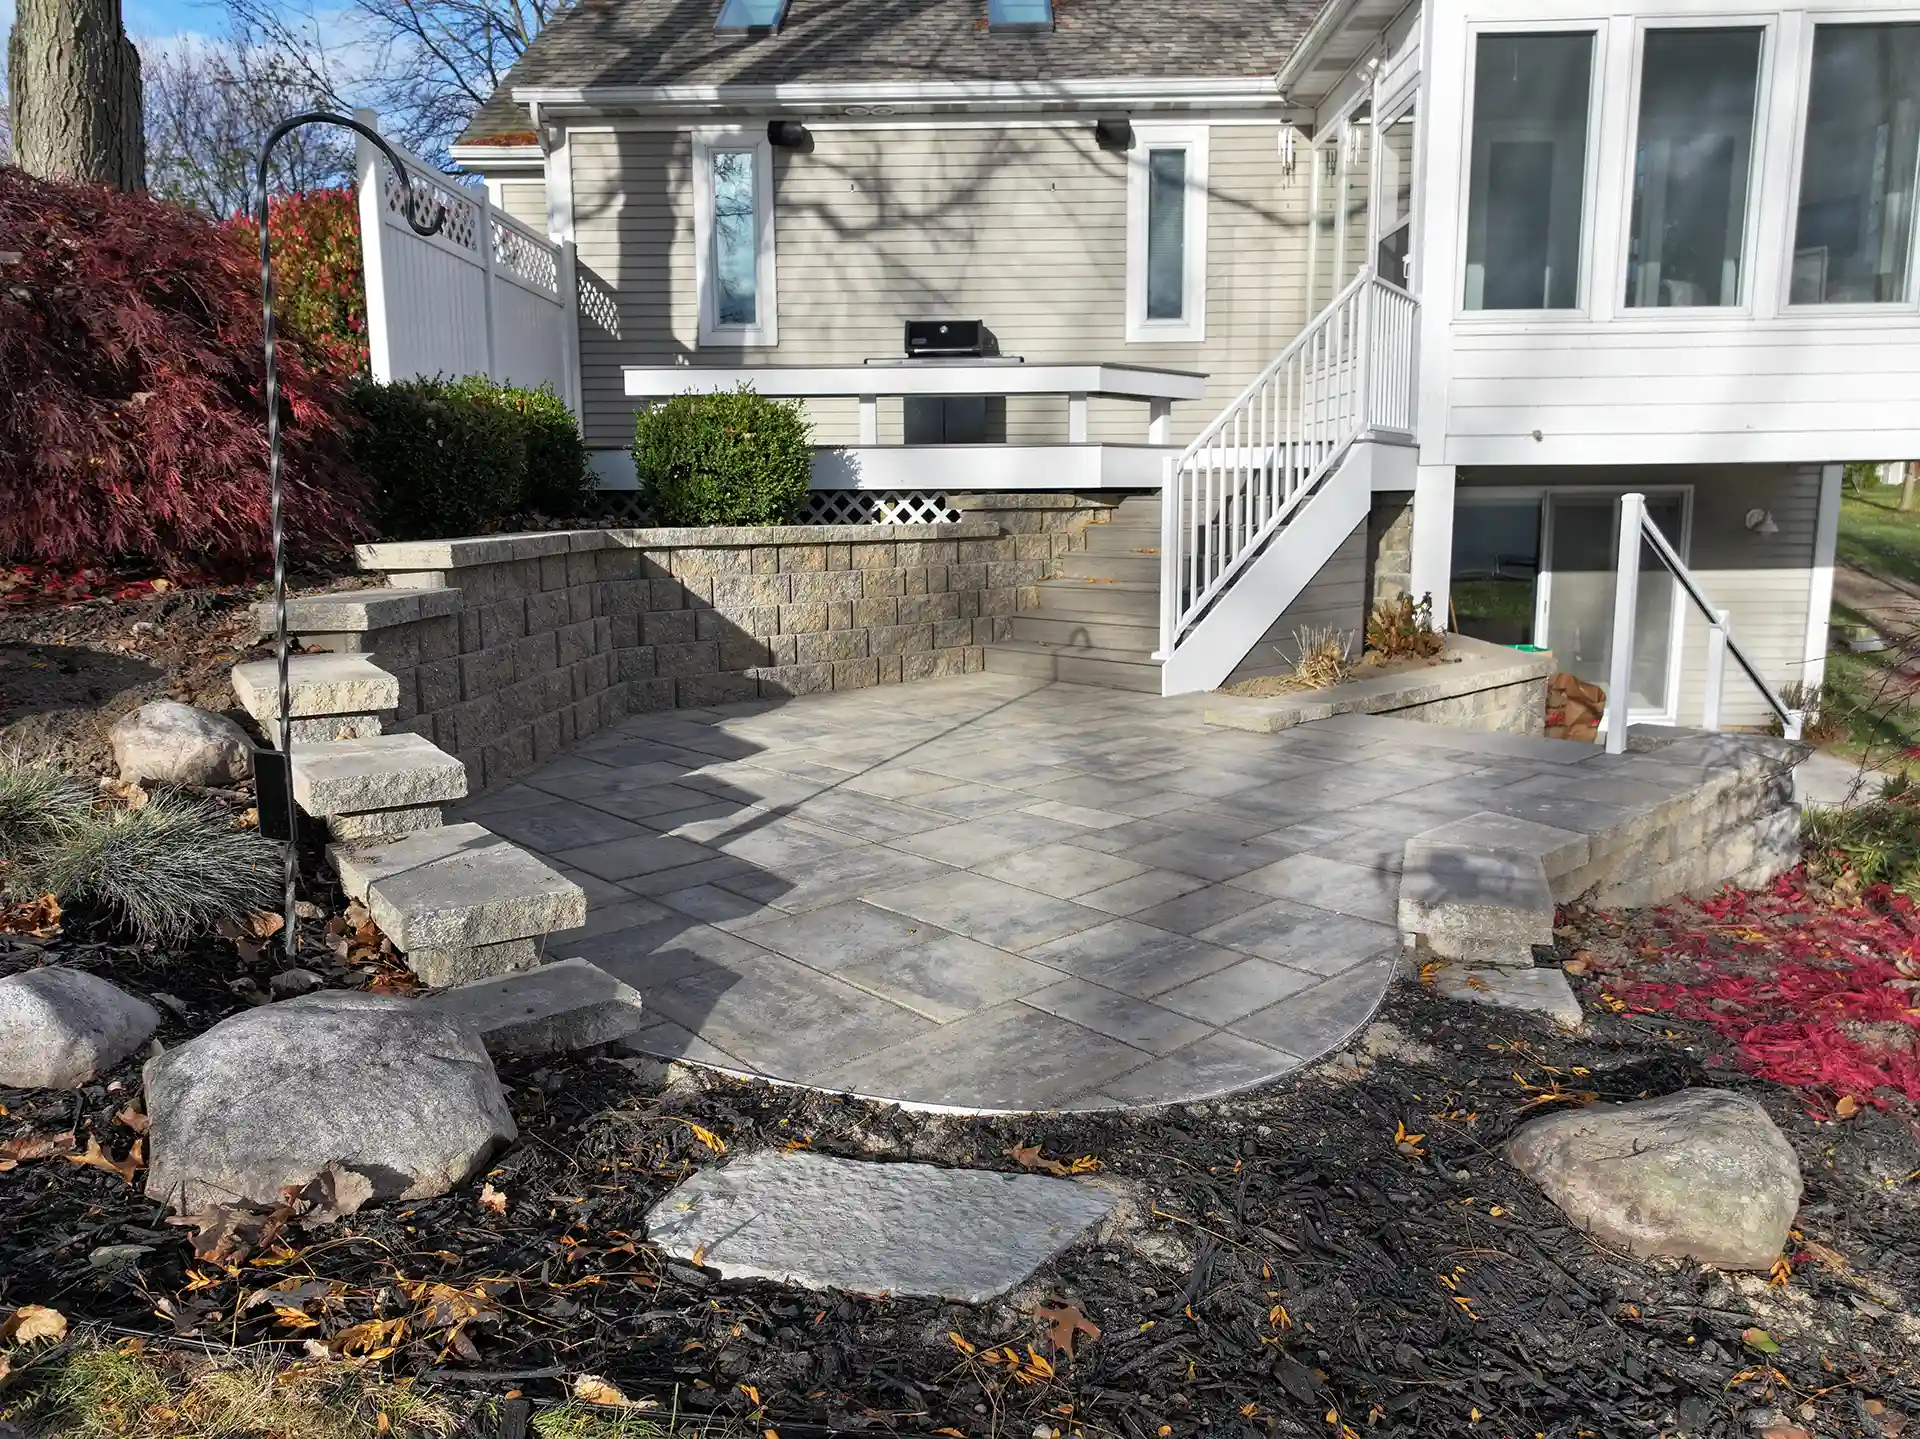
[(60, 1027), (381, 1086), (172, 743), (1702, 1174)]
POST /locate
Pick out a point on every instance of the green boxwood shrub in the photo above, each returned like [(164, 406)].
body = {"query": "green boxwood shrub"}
[(560, 481), (445, 458), (735, 458)]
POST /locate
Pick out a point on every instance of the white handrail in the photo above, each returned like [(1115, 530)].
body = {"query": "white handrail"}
[(1635, 526), (1349, 372)]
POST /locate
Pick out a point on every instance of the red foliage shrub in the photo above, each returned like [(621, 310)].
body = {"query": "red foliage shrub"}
[(317, 277), (131, 381)]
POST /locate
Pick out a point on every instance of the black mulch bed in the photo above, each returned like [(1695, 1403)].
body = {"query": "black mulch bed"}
[(1279, 1264)]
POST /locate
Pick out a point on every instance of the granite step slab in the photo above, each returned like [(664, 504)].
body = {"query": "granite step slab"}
[(317, 685), (389, 771), (903, 1230), (570, 1004), (357, 611), (1535, 991), (457, 887), (1475, 904)]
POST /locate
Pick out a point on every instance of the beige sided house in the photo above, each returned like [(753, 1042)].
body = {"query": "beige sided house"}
[(1380, 295)]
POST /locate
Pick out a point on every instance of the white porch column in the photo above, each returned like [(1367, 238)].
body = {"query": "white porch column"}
[(1433, 536), (1813, 671)]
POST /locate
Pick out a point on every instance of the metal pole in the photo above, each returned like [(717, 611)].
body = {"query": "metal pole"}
[(291, 871), (1716, 669), (1626, 596)]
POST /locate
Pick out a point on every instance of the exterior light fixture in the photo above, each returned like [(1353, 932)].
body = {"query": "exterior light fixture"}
[(273, 780), (1116, 135), (789, 135), (1761, 522)]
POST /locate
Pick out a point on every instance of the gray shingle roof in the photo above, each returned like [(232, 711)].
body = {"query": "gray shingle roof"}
[(672, 42)]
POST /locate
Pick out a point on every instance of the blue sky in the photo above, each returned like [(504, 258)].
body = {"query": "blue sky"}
[(167, 17)]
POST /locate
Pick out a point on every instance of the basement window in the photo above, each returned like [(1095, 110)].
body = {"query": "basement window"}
[(752, 17), (1019, 15)]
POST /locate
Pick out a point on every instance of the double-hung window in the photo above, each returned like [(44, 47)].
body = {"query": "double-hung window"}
[(1167, 234), (733, 237), (1527, 170), (1854, 228)]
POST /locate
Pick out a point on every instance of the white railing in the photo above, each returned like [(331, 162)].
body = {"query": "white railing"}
[(1636, 526), (485, 295), (1349, 373)]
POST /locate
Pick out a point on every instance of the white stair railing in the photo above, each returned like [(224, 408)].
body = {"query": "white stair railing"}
[(1635, 526), (1348, 373)]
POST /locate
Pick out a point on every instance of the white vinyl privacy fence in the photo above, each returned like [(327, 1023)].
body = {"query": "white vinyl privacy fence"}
[(486, 295)]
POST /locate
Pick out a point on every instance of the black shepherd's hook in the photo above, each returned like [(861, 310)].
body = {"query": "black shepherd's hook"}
[(284, 128)]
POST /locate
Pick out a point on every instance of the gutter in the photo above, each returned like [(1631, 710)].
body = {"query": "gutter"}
[(867, 97), (1326, 24)]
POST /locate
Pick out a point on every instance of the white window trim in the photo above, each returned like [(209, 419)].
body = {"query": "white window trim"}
[(766, 330), (1192, 326)]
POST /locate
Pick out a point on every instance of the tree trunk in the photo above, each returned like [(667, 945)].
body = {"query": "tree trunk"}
[(1907, 482), (75, 81)]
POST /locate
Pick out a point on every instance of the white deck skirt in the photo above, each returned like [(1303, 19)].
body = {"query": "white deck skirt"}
[(963, 468)]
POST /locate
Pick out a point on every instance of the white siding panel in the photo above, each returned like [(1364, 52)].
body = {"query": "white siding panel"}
[(1024, 228), (526, 201)]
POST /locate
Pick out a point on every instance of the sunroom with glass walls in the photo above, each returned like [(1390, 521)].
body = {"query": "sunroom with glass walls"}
[(1671, 235)]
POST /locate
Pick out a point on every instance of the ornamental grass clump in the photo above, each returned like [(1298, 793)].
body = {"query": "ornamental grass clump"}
[(735, 458), (40, 807)]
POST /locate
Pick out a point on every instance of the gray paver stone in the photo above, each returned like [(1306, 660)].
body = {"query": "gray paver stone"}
[(390, 771), (571, 1004), (384, 823), (1538, 990), (467, 964), (898, 1229), (1475, 904)]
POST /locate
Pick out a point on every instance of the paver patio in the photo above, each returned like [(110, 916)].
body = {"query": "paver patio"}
[(994, 893)]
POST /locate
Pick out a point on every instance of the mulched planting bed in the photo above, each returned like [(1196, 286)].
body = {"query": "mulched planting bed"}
[(1343, 1254), (79, 649)]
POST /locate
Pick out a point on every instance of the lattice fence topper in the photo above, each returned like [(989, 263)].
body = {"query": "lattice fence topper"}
[(597, 304), (461, 213), (878, 507), (526, 258)]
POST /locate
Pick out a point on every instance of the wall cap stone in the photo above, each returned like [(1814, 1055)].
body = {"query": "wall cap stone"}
[(503, 549)]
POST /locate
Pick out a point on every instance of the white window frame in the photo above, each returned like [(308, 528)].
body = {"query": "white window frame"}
[(1800, 52), (765, 330), (1191, 327), (1752, 242), (1597, 116)]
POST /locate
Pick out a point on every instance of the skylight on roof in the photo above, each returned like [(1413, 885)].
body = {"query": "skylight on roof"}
[(1018, 15), (751, 15)]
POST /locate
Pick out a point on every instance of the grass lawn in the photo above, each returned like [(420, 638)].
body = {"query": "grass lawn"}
[(1861, 692)]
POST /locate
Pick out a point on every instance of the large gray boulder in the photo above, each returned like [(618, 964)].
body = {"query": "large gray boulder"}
[(171, 743), (382, 1086), (60, 1027), (1702, 1174)]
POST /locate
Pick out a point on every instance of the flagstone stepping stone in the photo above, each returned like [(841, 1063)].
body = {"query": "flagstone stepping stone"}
[(1702, 1174), (904, 1229), (1538, 991)]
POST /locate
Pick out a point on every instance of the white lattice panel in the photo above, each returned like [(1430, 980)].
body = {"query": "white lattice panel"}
[(532, 261), (878, 507), (597, 305)]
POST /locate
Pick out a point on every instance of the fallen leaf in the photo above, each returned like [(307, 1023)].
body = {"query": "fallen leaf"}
[(1780, 1429), (35, 1146), (375, 1339), (1580, 963), (1759, 1341), (331, 1195), (1847, 1107), (704, 1135), (493, 1199), (31, 1322), (94, 1157), (34, 918), (1028, 1156), (228, 1233), (132, 1117), (1065, 1323), (592, 1389)]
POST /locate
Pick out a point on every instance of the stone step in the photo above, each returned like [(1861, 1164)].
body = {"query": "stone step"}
[(330, 696), (1126, 602), (1076, 633), (1484, 906), (389, 771), (570, 1004), (357, 611), (1081, 564), (457, 887), (1537, 990), (1109, 669)]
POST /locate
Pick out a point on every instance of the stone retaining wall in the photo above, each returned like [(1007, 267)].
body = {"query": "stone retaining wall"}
[(1519, 708), (510, 648)]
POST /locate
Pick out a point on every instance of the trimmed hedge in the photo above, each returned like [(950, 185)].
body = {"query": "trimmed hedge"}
[(735, 458), (461, 457)]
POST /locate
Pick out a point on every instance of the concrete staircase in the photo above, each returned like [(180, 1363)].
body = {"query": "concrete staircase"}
[(1098, 622), (463, 905)]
